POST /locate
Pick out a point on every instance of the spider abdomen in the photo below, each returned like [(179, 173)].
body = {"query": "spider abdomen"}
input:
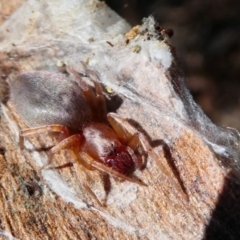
[(44, 98)]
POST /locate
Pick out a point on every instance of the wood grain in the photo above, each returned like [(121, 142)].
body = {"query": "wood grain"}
[(52, 204)]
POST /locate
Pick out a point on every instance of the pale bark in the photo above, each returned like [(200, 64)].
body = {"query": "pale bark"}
[(148, 89)]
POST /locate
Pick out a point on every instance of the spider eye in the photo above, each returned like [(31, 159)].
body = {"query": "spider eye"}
[(113, 149)]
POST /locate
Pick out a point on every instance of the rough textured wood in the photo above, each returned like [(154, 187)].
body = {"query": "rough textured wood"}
[(51, 204), (7, 8)]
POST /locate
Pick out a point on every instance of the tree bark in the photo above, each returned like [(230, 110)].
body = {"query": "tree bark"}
[(143, 84)]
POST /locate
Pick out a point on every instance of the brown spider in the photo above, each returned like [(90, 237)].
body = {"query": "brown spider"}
[(51, 102)]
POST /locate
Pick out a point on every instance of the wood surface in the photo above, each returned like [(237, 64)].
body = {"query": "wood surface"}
[(52, 204)]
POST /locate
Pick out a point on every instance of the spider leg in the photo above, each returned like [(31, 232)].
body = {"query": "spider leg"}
[(63, 130), (133, 139), (81, 164), (123, 129), (91, 164), (101, 103), (93, 195), (87, 91), (137, 140), (73, 143), (95, 100), (99, 166)]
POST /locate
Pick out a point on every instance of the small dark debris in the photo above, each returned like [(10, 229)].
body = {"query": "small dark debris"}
[(3, 150), (33, 189), (110, 43), (168, 32), (157, 27), (91, 39)]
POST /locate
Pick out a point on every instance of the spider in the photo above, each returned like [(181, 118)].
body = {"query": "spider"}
[(51, 102)]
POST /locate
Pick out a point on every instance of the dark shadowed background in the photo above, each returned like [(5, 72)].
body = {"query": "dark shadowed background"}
[(207, 42)]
